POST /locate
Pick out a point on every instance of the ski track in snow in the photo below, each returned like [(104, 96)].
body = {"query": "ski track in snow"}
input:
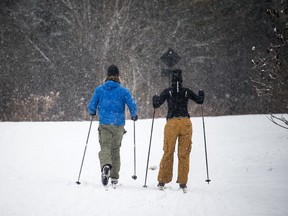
[(247, 155)]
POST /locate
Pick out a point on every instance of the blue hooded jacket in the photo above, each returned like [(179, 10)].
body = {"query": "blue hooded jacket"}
[(110, 99)]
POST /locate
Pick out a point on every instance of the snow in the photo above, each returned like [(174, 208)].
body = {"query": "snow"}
[(247, 155)]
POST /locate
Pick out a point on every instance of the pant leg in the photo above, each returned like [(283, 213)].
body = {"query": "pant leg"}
[(118, 132), (184, 149), (105, 140), (166, 165)]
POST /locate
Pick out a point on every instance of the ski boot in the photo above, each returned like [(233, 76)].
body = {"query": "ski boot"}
[(105, 175), (183, 187), (114, 182), (161, 186)]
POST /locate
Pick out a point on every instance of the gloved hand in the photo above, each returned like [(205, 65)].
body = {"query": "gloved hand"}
[(155, 99), (134, 118), (92, 114), (201, 93)]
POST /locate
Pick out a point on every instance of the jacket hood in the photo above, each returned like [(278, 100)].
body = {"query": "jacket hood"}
[(110, 84)]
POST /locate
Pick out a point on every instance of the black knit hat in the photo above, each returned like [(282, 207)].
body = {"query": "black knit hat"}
[(113, 71), (177, 76)]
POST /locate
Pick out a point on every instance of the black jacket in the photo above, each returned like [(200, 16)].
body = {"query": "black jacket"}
[(177, 100)]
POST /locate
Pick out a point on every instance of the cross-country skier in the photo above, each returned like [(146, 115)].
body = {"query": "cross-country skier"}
[(178, 126), (110, 100)]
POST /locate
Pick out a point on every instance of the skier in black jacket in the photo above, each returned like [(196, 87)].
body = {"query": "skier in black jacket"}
[(179, 127)]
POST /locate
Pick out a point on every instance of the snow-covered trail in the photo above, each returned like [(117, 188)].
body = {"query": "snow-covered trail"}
[(247, 155)]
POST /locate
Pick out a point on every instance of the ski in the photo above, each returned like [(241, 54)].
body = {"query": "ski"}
[(113, 185), (162, 187), (184, 190)]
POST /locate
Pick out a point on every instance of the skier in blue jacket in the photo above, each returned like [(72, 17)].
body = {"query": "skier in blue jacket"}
[(110, 100)]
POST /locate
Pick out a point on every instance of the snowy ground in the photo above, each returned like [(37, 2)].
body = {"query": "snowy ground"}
[(40, 162)]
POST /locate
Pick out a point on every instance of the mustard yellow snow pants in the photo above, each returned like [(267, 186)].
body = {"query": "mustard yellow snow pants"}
[(181, 129)]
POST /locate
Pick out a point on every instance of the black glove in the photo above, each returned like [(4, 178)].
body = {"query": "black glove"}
[(92, 114), (134, 118), (155, 101), (201, 93)]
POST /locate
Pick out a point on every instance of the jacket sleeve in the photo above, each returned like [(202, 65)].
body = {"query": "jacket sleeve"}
[(131, 104), (199, 99), (92, 106), (159, 100)]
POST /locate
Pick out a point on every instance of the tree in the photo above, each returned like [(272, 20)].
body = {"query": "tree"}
[(272, 69)]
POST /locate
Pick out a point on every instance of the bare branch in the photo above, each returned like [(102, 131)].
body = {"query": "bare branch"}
[(40, 51), (276, 119)]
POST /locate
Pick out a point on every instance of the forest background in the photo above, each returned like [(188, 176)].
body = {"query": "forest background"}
[(55, 52)]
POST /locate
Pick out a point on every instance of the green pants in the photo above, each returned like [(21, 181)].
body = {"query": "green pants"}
[(176, 129), (110, 138)]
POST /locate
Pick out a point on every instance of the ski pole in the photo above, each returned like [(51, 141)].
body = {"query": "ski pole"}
[(208, 180), (78, 182), (149, 148), (134, 176)]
